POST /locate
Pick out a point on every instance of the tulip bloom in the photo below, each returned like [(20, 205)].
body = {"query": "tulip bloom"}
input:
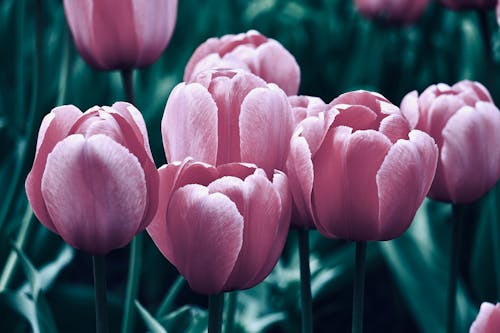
[(488, 319), (397, 11), (464, 122), (93, 180), (469, 4), (223, 227), (357, 170), (121, 34), (225, 116), (250, 51)]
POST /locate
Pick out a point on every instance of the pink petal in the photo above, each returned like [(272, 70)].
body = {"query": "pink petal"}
[(488, 319), (240, 170), (95, 192), (206, 233), (189, 124), (358, 117), (209, 46), (314, 128), (266, 126), (55, 126), (79, 17), (409, 108), (403, 181), (394, 127), (135, 119)]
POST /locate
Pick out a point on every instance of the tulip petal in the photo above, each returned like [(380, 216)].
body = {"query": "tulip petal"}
[(395, 127), (358, 117), (95, 192), (206, 233), (409, 108), (189, 124), (135, 119), (488, 319)]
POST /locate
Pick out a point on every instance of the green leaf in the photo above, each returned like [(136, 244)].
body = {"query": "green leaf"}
[(149, 320), (187, 319), (30, 271)]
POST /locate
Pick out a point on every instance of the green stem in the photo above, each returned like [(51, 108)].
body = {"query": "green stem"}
[(215, 306), (133, 280), (63, 77), (495, 225), (20, 63), (101, 315), (128, 84), (305, 281), (359, 288), (454, 259), (166, 305), (232, 302)]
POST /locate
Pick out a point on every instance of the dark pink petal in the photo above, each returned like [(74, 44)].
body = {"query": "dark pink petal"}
[(55, 126), (189, 124), (394, 127), (206, 233), (79, 17), (240, 170), (409, 108), (266, 126), (487, 320), (470, 156), (95, 192), (403, 181)]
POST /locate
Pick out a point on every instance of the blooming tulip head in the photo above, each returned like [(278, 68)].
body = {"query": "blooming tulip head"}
[(93, 180), (357, 170), (121, 34), (262, 56), (223, 227), (396, 11), (469, 4), (225, 116), (488, 319), (464, 122)]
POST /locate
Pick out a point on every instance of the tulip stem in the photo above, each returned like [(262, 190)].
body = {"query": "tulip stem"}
[(232, 302), (215, 307), (454, 259), (133, 279), (101, 315), (359, 288), (305, 281), (486, 33), (128, 85), (170, 297)]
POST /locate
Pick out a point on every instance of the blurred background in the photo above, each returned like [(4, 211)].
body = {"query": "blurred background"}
[(338, 50)]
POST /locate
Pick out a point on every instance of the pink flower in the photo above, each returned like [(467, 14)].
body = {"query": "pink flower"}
[(488, 319), (121, 34), (469, 4), (465, 124), (225, 116), (357, 170), (251, 51), (397, 11), (223, 228), (93, 180)]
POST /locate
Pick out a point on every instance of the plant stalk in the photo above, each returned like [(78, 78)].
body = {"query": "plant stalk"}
[(359, 288), (101, 312), (305, 281)]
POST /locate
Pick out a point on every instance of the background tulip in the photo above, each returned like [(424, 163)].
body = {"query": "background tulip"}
[(117, 34), (93, 180), (464, 122), (398, 11), (488, 319), (223, 228), (225, 116), (469, 4), (358, 171), (251, 51)]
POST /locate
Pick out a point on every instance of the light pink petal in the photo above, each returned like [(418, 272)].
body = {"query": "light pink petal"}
[(372, 100), (475, 90), (488, 319), (303, 106), (214, 61), (470, 156), (206, 233), (95, 192), (409, 108), (266, 126), (135, 119), (240, 170), (314, 128), (403, 181), (55, 126), (357, 117), (189, 124), (261, 214), (394, 127), (440, 111), (211, 45)]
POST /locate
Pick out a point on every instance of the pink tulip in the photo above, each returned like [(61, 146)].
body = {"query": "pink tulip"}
[(488, 319), (465, 124), (121, 34), (93, 180), (225, 116), (250, 51), (223, 228), (469, 4), (397, 11), (357, 170)]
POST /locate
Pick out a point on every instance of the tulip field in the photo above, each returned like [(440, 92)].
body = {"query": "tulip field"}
[(231, 166)]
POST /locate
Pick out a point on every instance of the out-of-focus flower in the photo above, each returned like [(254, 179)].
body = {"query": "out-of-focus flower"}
[(262, 56), (121, 34), (225, 116), (465, 124), (93, 180), (358, 171), (469, 4), (487, 320), (223, 228), (397, 11)]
